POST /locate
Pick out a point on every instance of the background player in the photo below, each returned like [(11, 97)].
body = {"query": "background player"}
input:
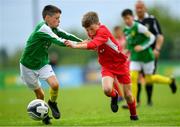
[(34, 63), (153, 25), (139, 40), (120, 38), (113, 62)]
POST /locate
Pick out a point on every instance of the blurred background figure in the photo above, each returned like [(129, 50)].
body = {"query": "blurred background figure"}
[(119, 36), (154, 27)]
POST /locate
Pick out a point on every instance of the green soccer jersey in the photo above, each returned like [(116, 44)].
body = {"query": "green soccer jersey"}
[(135, 35), (35, 55)]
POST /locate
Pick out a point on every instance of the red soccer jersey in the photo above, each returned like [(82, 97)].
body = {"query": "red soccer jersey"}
[(109, 55)]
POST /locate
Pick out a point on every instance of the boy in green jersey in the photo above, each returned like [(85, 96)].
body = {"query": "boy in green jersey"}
[(139, 40), (34, 62)]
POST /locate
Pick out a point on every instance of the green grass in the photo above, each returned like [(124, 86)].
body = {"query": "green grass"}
[(88, 106)]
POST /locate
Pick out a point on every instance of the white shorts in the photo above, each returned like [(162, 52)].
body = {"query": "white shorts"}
[(148, 68), (31, 77)]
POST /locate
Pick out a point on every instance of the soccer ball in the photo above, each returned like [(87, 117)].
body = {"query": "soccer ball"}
[(37, 109)]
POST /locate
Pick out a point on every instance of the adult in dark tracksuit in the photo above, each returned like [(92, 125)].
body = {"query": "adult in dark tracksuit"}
[(153, 25)]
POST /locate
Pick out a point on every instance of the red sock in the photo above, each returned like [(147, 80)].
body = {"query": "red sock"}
[(116, 87), (132, 108), (113, 93)]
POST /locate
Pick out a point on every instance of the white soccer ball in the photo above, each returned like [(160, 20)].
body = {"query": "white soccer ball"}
[(37, 109)]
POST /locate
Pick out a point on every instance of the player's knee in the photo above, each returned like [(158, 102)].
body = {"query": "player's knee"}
[(55, 85), (128, 95), (107, 91), (129, 98)]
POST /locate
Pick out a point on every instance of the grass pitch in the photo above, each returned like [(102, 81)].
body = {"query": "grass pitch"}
[(87, 106)]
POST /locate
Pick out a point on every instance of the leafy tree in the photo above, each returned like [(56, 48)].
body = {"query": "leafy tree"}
[(170, 25)]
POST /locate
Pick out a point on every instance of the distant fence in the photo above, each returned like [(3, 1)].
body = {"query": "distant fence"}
[(68, 76), (75, 76)]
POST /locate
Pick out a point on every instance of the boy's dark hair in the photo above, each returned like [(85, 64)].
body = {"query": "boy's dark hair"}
[(127, 12), (50, 10), (89, 19)]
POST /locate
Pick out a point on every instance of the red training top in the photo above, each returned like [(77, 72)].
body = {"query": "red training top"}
[(109, 55)]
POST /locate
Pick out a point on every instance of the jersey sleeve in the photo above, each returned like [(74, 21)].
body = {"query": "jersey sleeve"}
[(142, 29), (47, 33), (99, 39), (63, 34), (157, 27)]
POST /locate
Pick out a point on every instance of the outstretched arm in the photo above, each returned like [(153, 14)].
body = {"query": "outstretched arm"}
[(142, 29), (100, 39), (66, 35), (47, 33), (82, 45)]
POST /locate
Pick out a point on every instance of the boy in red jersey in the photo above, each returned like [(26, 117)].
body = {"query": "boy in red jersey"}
[(113, 62)]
